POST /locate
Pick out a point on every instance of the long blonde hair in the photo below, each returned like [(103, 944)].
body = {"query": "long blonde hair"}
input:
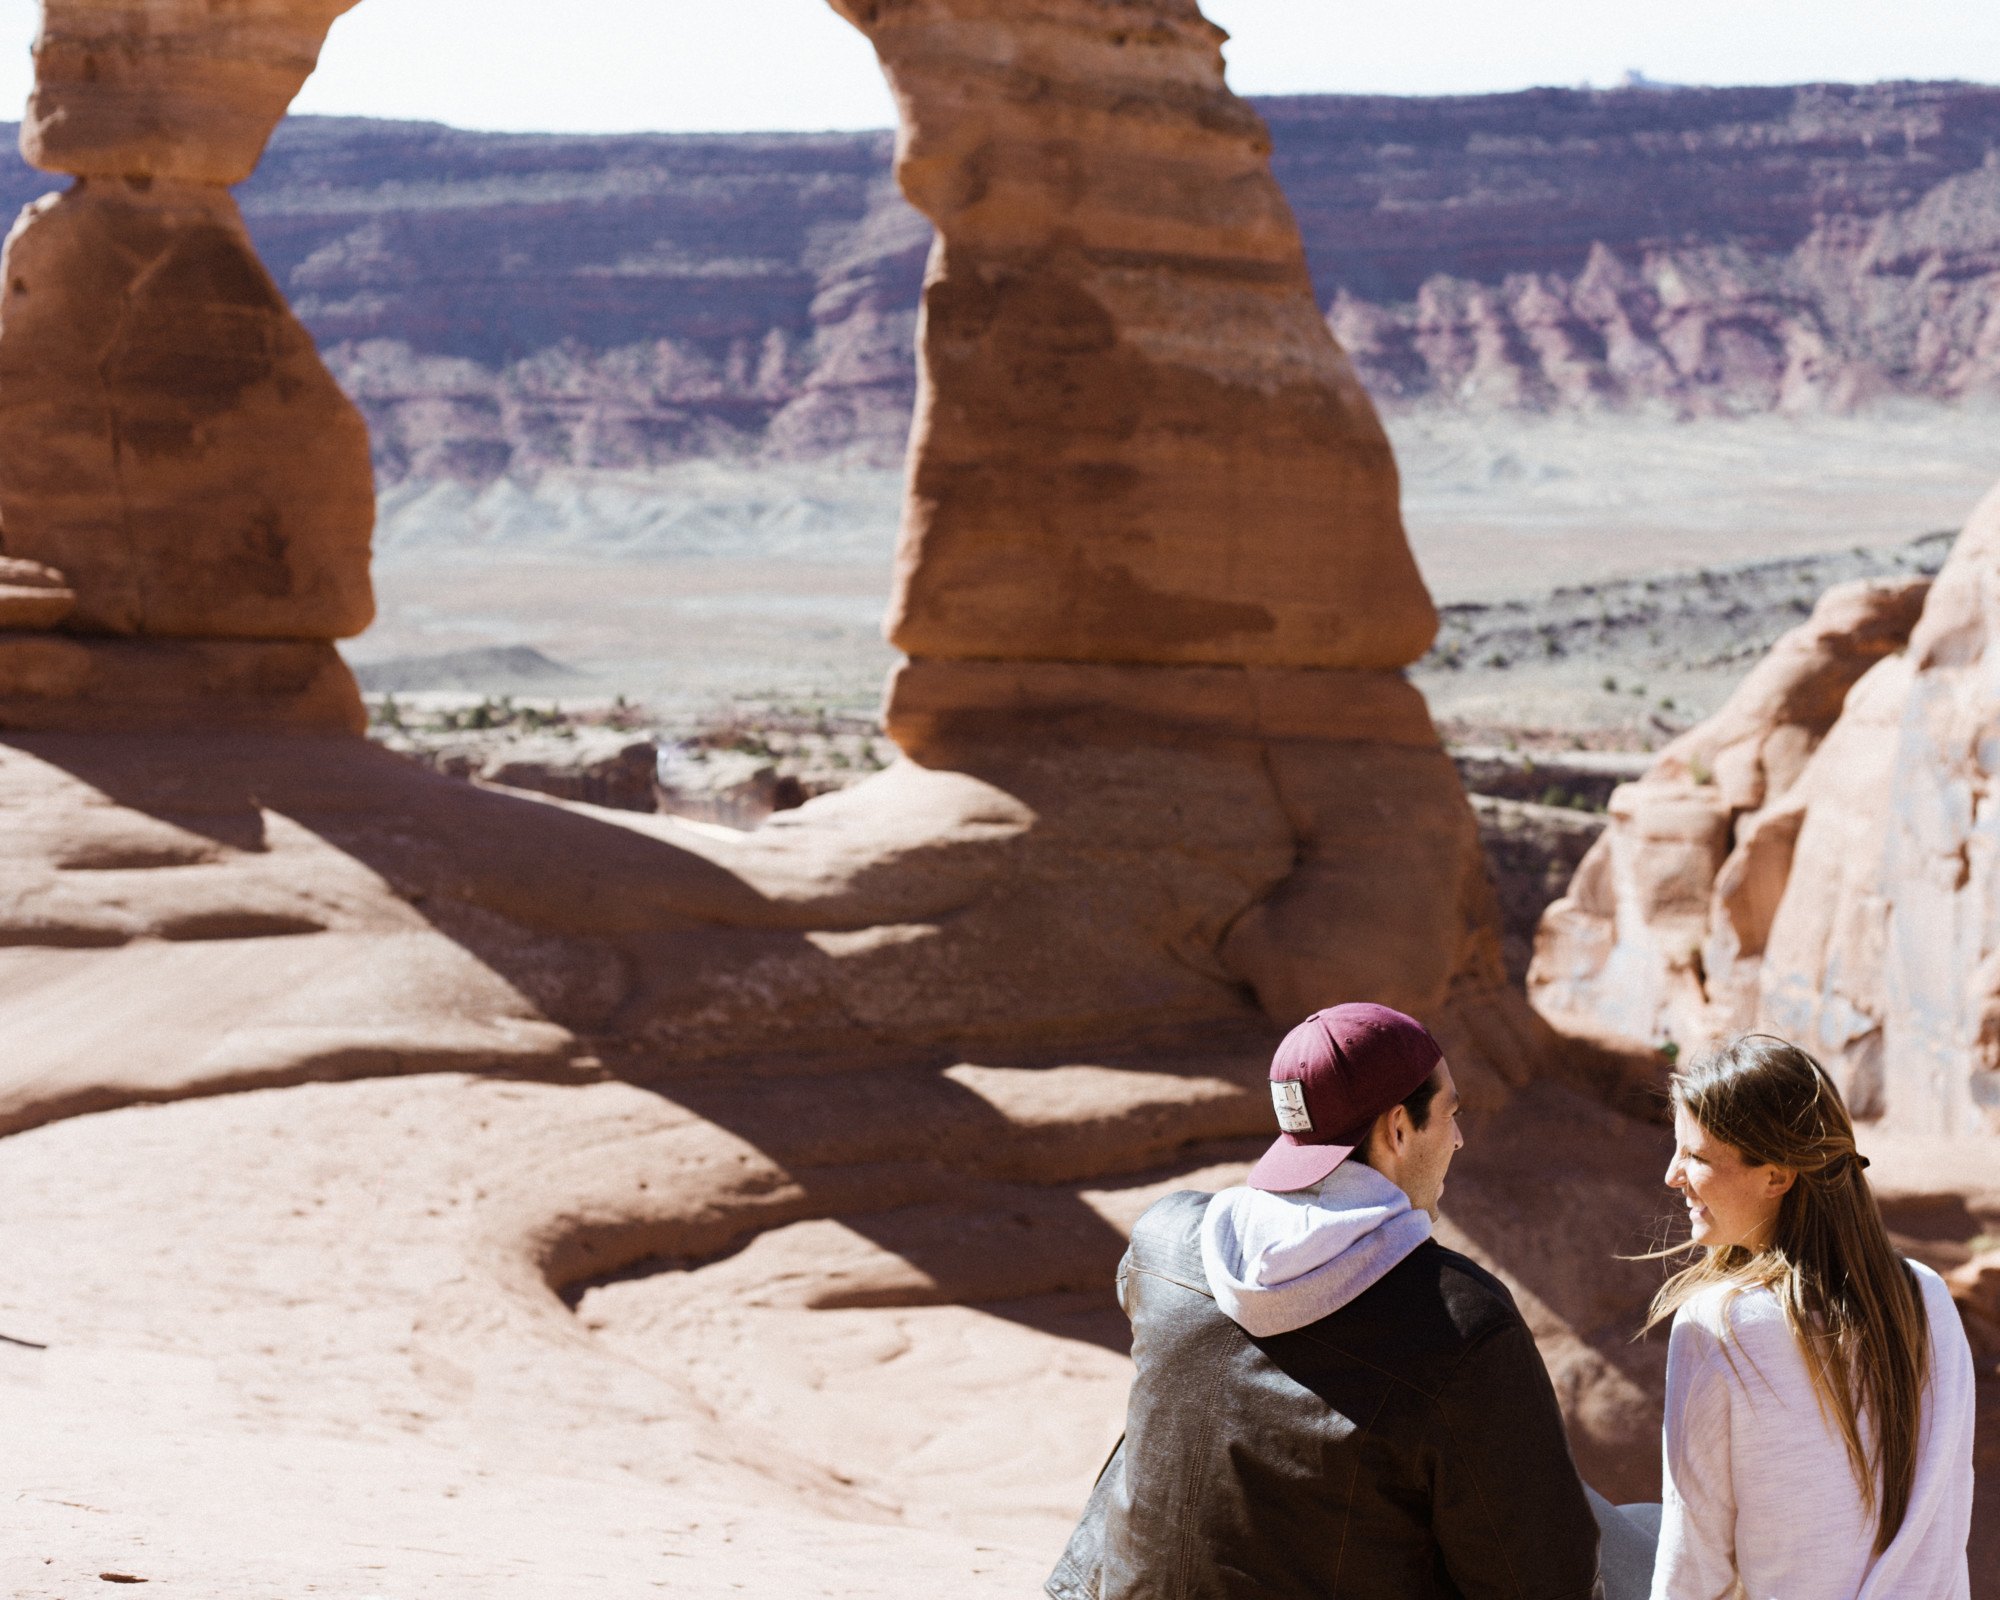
[(1851, 1302)]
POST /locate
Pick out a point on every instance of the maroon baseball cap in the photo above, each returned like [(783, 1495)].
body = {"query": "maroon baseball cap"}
[(1332, 1076)]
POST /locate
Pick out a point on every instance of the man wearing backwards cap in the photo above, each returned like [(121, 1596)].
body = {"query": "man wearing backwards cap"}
[(1327, 1402)]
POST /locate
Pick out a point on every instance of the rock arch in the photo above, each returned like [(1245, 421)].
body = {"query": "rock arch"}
[(1166, 789), (1150, 511)]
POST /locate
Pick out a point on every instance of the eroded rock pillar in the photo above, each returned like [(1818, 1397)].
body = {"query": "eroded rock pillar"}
[(170, 443), (1150, 506), (1136, 440)]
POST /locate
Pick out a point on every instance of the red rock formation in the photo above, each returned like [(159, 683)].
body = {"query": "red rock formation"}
[(1135, 441), (1167, 788), (186, 93), (1826, 879), (1680, 891), (168, 436), (1150, 511)]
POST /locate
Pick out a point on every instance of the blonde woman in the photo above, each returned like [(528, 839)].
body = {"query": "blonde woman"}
[(1818, 1441)]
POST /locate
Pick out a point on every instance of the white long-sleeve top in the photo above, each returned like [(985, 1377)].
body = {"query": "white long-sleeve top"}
[(1759, 1498)]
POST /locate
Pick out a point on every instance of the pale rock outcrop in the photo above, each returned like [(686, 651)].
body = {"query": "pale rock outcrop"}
[(169, 438), (1828, 880), (1679, 892), (1136, 441), (1818, 973), (1940, 864)]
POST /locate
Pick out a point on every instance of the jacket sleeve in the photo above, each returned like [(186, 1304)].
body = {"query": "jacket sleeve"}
[(1697, 1559), (1507, 1508)]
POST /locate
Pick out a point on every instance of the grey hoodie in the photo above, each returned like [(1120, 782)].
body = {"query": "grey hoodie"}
[(1276, 1262)]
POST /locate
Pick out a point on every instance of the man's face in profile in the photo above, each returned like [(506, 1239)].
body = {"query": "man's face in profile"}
[(1427, 1151)]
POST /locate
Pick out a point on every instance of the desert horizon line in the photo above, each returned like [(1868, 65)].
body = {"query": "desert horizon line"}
[(1637, 85)]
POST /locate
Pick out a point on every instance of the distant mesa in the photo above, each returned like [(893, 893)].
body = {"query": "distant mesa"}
[(755, 295), (494, 669)]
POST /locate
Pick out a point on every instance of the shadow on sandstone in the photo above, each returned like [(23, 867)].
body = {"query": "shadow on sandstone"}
[(950, 1014)]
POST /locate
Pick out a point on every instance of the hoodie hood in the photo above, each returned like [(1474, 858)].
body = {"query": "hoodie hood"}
[(1276, 1262)]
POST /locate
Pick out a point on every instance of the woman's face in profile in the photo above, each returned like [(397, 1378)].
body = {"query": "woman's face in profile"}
[(1729, 1201)]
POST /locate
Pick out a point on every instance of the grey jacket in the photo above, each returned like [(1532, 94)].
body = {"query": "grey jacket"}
[(1406, 1447)]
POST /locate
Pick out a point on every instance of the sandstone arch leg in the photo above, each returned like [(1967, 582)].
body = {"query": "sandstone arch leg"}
[(169, 441), (1150, 505)]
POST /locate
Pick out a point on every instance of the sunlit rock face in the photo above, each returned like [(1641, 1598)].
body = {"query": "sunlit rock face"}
[(188, 90), (1820, 859), (168, 436), (1136, 440), (171, 445), (1941, 857), (1151, 509), (1662, 932)]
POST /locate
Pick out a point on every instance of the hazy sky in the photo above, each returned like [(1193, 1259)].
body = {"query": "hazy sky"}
[(590, 65)]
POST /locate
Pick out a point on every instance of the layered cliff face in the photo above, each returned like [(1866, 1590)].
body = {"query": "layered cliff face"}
[(504, 303), (510, 303), (1904, 304)]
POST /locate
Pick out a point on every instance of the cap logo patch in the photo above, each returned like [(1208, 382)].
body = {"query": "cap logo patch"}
[(1289, 1098)]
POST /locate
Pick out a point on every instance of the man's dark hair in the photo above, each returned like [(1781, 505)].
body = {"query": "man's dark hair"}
[(1417, 1102)]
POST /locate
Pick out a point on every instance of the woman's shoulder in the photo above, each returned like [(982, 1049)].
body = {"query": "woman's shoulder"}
[(1947, 1327), (1721, 1317), (1750, 1317), (1729, 1307)]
